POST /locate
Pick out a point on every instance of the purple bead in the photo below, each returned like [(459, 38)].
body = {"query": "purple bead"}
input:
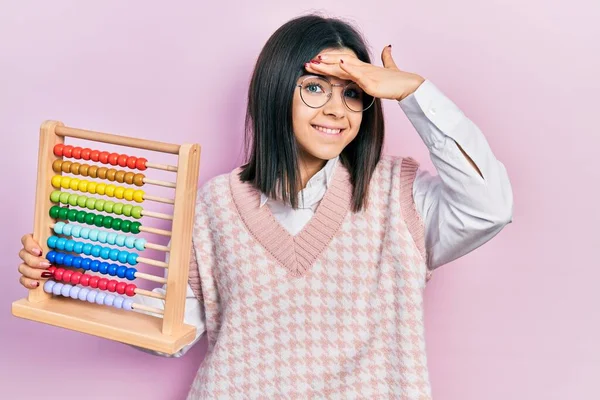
[(83, 293), (118, 303), (66, 290), (91, 296), (109, 299), (127, 305), (75, 292), (48, 286), (100, 298), (56, 289)]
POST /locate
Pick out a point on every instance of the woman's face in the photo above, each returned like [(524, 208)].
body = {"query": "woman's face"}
[(317, 146)]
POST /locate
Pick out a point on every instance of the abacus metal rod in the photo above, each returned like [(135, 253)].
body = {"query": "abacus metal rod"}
[(117, 139)]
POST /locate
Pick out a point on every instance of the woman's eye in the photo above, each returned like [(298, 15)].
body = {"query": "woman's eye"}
[(352, 93), (313, 88)]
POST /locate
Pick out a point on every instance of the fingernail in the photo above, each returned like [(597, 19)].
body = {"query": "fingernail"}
[(38, 252), (46, 274), (35, 284), (315, 62), (320, 58), (341, 61), (44, 264), (389, 45)]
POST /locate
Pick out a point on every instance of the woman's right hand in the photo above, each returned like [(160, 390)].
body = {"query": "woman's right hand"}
[(34, 265)]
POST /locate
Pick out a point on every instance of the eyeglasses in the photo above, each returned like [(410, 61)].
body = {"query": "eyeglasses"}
[(316, 91)]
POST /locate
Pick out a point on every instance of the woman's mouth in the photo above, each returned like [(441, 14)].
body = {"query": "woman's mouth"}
[(328, 131)]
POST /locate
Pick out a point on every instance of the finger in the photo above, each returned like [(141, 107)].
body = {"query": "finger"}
[(324, 69), (386, 58), (29, 283), (352, 71), (33, 273), (334, 58), (33, 261), (31, 245)]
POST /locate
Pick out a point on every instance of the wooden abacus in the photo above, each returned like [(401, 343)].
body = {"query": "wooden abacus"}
[(102, 313)]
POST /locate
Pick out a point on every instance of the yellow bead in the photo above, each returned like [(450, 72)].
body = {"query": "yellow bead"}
[(119, 192), (65, 181), (110, 190), (56, 181), (74, 184), (100, 188), (83, 186), (91, 188), (138, 196), (128, 194)]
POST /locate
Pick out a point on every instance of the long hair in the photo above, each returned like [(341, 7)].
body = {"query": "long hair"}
[(270, 146)]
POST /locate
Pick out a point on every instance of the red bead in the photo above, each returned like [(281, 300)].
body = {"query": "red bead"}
[(121, 287), (67, 276), (85, 280), (77, 153), (94, 155), (122, 160), (112, 285), (94, 281), (58, 150), (58, 274), (104, 157), (85, 153), (51, 268), (102, 283), (130, 289), (112, 158), (141, 164), (76, 277), (131, 162), (67, 151)]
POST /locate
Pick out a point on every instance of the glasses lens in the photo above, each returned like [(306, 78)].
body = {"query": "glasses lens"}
[(356, 99), (315, 91)]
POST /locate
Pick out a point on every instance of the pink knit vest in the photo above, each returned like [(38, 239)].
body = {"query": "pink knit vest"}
[(333, 312)]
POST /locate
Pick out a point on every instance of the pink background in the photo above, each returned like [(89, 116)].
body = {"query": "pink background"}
[(516, 319)]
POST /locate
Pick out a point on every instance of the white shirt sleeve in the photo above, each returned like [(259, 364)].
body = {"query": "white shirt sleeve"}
[(461, 210)]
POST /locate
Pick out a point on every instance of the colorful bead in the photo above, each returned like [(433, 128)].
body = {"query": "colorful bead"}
[(58, 150)]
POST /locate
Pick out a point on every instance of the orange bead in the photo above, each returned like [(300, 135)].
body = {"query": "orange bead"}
[(76, 153), (110, 174), (102, 172), (120, 176), (103, 158), (66, 166), (113, 158), (56, 165), (67, 151), (93, 171), (75, 168), (83, 170), (141, 163), (129, 177), (138, 180), (58, 150)]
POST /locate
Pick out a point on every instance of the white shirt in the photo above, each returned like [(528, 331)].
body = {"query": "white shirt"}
[(460, 209)]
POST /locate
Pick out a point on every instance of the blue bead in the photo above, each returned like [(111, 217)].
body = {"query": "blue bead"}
[(51, 256), (94, 235), (52, 241), (94, 265), (130, 242), (76, 262), (102, 236), (68, 260), (76, 231), (120, 240), (85, 232), (87, 249), (48, 286), (116, 255), (66, 229), (110, 239), (58, 227), (140, 244), (109, 299), (65, 291), (132, 258), (91, 296), (112, 269), (56, 289), (96, 251), (78, 248), (105, 252), (103, 269), (118, 302), (69, 244), (127, 305), (75, 292), (130, 274), (59, 258), (100, 298), (83, 293), (60, 243), (85, 263), (121, 271)]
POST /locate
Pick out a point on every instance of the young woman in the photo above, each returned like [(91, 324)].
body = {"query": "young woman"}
[(310, 260)]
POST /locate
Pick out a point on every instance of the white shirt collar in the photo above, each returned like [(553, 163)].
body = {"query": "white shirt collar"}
[(321, 179)]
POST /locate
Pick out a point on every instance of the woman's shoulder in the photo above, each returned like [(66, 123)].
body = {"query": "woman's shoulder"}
[(393, 163)]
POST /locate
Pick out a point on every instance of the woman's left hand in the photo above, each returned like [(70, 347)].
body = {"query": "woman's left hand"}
[(387, 82)]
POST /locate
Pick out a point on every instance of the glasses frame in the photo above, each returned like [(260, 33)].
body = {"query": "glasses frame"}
[(329, 94)]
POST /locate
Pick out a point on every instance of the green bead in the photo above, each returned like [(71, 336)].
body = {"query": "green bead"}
[(62, 213), (98, 220), (136, 212), (54, 211), (90, 203), (108, 206), (127, 210), (71, 215), (81, 217), (135, 227), (118, 208), (125, 226), (89, 218), (55, 196), (116, 224), (64, 197), (107, 223), (72, 200), (100, 204), (81, 201)]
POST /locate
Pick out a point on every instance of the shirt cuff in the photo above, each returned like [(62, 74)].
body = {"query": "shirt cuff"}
[(428, 105)]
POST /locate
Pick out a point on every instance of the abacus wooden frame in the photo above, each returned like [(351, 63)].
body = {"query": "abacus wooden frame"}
[(168, 334)]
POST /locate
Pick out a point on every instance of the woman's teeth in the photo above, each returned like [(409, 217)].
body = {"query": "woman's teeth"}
[(326, 130)]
